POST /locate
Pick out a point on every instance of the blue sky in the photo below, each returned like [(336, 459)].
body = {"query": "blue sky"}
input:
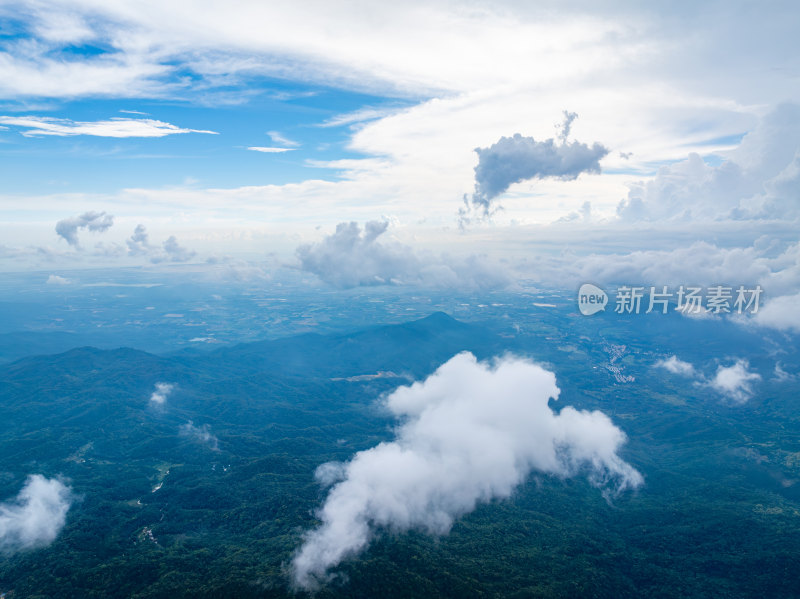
[(164, 132), (95, 164)]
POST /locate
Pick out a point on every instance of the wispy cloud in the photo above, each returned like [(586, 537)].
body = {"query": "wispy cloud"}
[(278, 138), (201, 434), (35, 517), (358, 116), (269, 150), (115, 127)]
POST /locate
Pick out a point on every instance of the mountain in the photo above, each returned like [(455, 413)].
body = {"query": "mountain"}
[(416, 347), (207, 494)]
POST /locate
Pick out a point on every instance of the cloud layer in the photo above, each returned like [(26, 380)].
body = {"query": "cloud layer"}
[(471, 432), (35, 516)]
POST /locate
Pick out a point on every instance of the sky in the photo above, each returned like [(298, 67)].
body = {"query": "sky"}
[(438, 136)]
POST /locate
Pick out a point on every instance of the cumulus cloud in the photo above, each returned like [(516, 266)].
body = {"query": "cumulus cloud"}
[(470, 432), (352, 257), (170, 251), (201, 434), (35, 517), (757, 180), (173, 252), (162, 391), (139, 243), (515, 159), (114, 127), (781, 313), (735, 382), (93, 221), (676, 366)]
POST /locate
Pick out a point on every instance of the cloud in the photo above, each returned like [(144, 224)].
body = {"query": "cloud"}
[(470, 432), (162, 391), (93, 221), (201, 434), (782, 313), (173, 252), (114, 127), (758, 179), (57, 280), (676, 366), (269, 150), (352, 257), (735, 381), (170, 251), (358, 116), (279, 139), (781, 375), (35, 517), (516, 159), (138, 243)]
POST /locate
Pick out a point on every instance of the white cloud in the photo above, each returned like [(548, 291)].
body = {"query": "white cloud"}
[(170, 251), (57, 280), (279, 139), (358, 116), (644, 80), (201, 434), (173, 252), (269, 150), (93, 221), (735, 382), (676, 366), (757, 181), (350, 257), (139, 243), (470, 432), (114, 127), (781, 313), (35, 517), (162, 391)]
